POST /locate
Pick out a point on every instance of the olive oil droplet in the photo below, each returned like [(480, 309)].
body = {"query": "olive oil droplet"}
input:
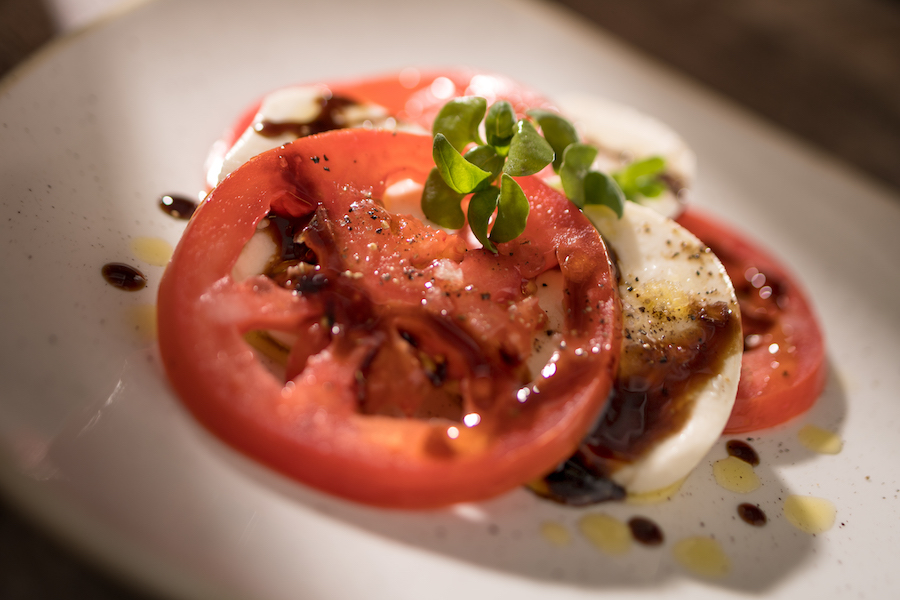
[(702, 556), (606, 533), (735, 475), (556, 533), (810, 514), (143, 320), (656, 496), (154, 251), (820, 440)]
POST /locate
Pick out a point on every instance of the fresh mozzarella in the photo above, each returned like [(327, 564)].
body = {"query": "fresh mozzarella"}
[(666, 277), (295, 105), (623, 135)]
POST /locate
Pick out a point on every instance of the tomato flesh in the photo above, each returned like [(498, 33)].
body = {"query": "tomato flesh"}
[(783, 368), (389, 303)]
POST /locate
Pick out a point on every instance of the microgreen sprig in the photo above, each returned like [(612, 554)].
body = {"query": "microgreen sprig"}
[(514, 148)]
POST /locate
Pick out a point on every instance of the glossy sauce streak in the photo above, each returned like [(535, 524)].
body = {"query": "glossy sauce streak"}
[(645, 531), (574, 484), (742, 451), (404, 375), (751, 514), (329, 118), (178, 207), (124, 277), (641, 408)]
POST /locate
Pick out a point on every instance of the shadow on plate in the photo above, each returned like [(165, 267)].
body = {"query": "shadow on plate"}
[(521, 534), (175, 488)]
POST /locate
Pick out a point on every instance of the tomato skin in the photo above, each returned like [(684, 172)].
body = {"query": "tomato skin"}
[(783, 369), (311, 429)]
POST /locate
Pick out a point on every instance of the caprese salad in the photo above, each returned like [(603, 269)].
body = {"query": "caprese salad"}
[(428, 288)]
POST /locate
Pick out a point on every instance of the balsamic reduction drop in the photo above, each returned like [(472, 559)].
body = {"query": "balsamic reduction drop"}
[(751, 514), (124, 277), (742, 451), (178, 207), (645, 531)]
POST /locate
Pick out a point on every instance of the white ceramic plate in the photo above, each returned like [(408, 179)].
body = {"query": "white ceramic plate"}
[(92, 441)]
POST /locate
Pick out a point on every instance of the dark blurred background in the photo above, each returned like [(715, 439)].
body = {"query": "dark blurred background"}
[(826, 70)]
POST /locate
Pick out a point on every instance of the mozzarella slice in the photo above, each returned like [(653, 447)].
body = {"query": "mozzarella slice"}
[(293, 105), (623, 135), (668, 278)]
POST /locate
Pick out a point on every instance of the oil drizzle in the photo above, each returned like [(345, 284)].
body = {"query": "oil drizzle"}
[(735, 475), (702, 556), (606, 533), (143, 320), (810, 514), (556, 533), (820, 440), (154, 251)]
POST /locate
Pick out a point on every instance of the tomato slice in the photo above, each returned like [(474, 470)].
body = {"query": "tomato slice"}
[(407, 384), (783, 369)]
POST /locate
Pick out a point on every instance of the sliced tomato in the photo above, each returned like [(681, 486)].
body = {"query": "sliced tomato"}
[(407, 385), (783, 369)]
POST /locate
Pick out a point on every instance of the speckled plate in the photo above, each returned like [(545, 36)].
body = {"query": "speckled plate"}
[(97, 127)]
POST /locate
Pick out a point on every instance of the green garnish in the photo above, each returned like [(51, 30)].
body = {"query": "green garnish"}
[(528, 151), (514, 148), (642, 178), (499, 126), (557, 131), (457, 172), (458, 120), (584, 186)]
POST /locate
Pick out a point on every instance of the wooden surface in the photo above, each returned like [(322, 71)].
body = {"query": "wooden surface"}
[(826, 70)]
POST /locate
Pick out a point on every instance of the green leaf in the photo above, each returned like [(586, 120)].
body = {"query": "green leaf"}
[(458, 121), (600, 188), (487, 159), (500, 125), (647, 166), (481, 207), (576, 163), (650, 186), (440, 203), (641, 178), (558, 132), (512, 213), (461, 175), (528, 151)]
